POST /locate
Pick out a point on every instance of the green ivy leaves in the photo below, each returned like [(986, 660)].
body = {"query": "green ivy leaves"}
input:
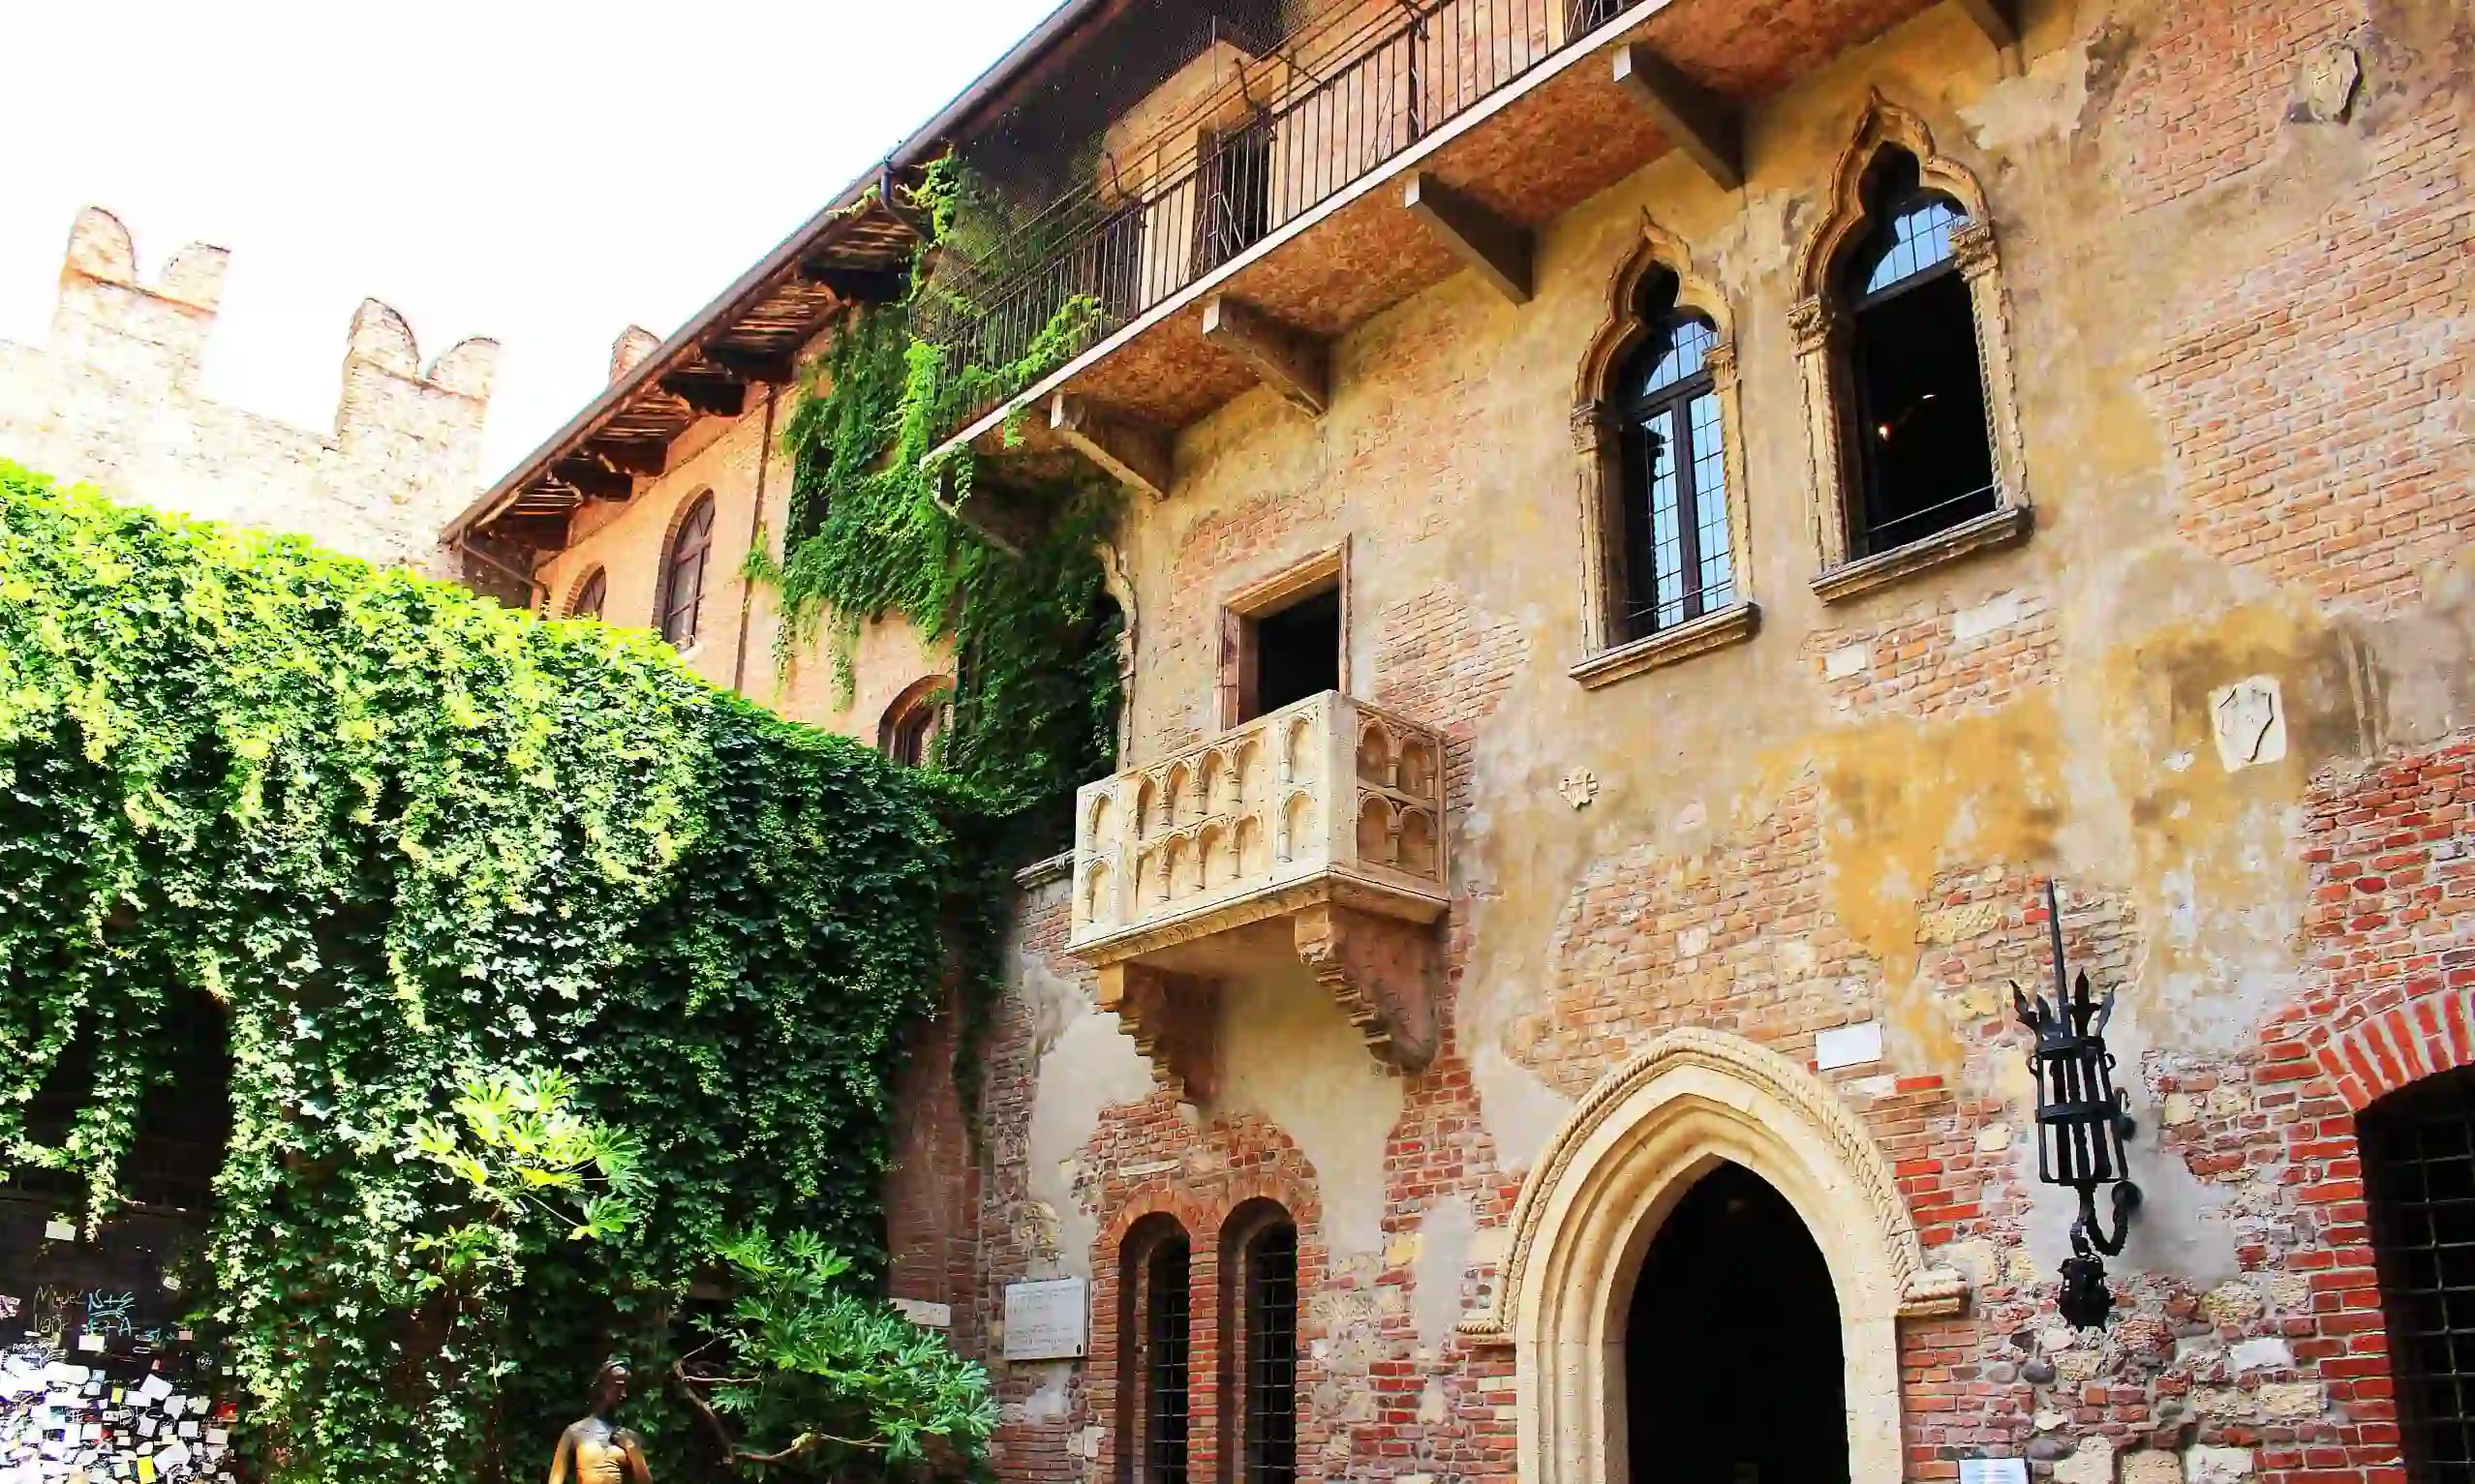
[(391, 831)]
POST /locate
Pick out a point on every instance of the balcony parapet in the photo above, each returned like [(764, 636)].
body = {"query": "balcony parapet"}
[(1312, 836)]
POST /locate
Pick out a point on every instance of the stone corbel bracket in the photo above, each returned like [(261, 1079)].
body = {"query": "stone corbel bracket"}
[(1381, 972), (1383, 968)]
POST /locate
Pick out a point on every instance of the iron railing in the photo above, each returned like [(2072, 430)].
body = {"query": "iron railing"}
[(1123, 251)]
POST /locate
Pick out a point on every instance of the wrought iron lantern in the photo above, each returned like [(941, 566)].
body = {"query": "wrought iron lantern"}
[(2081, 1124)]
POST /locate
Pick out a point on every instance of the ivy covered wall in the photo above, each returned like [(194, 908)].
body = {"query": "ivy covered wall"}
[(397, 835)]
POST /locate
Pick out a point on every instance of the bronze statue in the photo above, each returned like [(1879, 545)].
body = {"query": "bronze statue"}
[(602, 1452)]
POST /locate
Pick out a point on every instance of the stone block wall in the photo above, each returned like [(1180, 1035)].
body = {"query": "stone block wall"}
[(114, 400)]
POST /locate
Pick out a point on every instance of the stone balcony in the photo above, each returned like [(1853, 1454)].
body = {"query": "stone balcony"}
[(1310, 839)]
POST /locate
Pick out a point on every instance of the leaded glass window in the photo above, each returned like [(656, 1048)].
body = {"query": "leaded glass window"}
[(1679, 563)]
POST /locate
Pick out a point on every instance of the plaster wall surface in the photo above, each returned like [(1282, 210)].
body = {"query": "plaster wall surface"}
[(2242, 324), (114, 400), (740, 624)]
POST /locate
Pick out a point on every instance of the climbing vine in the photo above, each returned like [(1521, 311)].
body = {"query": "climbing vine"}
[(397, 837), (878, 527)]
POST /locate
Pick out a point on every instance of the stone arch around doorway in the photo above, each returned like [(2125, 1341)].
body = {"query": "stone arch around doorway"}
[(1592, 1204)]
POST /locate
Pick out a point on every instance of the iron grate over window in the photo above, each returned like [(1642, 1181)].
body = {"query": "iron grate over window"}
[(1271, 1356), (1165, 1393), (2418, 1150)]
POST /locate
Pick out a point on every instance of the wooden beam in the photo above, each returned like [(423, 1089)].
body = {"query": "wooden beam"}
[(1134, 456), (1497, 249), (1292, 363), (631, 456), (593, 479), (1698, 121), (709, 394), (857, 286), (2000, 20), (750, 366)]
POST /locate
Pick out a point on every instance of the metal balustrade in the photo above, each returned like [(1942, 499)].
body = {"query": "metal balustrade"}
[(1123, 253)]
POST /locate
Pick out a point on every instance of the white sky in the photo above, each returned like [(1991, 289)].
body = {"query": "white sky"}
[(540, 172)]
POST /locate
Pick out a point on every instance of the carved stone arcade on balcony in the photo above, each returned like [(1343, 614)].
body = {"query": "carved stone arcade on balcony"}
[(1307, 843)]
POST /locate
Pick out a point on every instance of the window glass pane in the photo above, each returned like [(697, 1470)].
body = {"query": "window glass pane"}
[(1667, 532), (1710, 499), (1919, 236), (1674, 353)]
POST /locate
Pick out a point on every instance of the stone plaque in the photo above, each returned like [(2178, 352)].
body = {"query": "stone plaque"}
[(1046, 1320), (926, 1314), (1992, 1471)]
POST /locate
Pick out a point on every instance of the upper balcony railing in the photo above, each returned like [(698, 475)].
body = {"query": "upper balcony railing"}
[(1424, 65), (1328, 793)]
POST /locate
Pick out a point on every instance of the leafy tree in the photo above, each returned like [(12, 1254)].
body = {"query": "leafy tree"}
[(820, 1381)]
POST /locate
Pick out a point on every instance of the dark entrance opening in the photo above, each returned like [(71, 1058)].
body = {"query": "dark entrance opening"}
[(1296, 651), (1733, 1367), (2417, 1148)]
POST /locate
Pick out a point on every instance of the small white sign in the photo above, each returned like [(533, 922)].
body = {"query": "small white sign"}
[(1992, 1471), (927, 1315), (1849, 1045), (57, 1230), (1047, 1321)]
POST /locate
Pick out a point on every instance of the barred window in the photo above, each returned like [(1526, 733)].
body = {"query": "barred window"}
[(1678, 565), (1165, 1373), (1271, 1355)]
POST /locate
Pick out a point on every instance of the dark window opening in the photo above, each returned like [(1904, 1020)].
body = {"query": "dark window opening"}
[(1294, 651), (1271, 1355), (1678, 562), (908, 730), (589, 596), (1234, 211), (1925, 457), (683, 586), (2418, 1148), (1165, 1373), (1732, 1366)]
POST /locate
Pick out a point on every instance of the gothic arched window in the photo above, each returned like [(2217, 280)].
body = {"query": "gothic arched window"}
[(910, 722), (1903, 344), (1656, 427), (1924, 453), (682, 572), (1155, 1348), (1678, 560)]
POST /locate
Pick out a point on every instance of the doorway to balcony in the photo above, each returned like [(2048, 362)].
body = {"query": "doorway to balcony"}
[(1285, 639), (1732, 1362)]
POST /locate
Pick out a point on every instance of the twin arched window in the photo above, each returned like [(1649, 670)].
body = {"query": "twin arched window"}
[(682, 572), (1257, 1328)]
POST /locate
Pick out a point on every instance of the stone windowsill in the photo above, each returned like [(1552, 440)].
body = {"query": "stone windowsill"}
[(1990, 531), (1711, 631)]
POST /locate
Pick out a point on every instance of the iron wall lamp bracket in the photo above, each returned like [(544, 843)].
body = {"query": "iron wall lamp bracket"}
[(2082, 1121)]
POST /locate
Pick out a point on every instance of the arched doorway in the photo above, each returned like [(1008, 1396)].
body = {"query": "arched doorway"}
[(1631, 1155), (1732, 1366)]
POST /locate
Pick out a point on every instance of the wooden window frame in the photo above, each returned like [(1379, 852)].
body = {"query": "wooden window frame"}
[(1608, 652), (673, 549), (918, 705), (1235, 697), (1822, 327), (596, 583)]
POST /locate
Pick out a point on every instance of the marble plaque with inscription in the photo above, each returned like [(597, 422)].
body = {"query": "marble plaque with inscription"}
[(1047, 1321)]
